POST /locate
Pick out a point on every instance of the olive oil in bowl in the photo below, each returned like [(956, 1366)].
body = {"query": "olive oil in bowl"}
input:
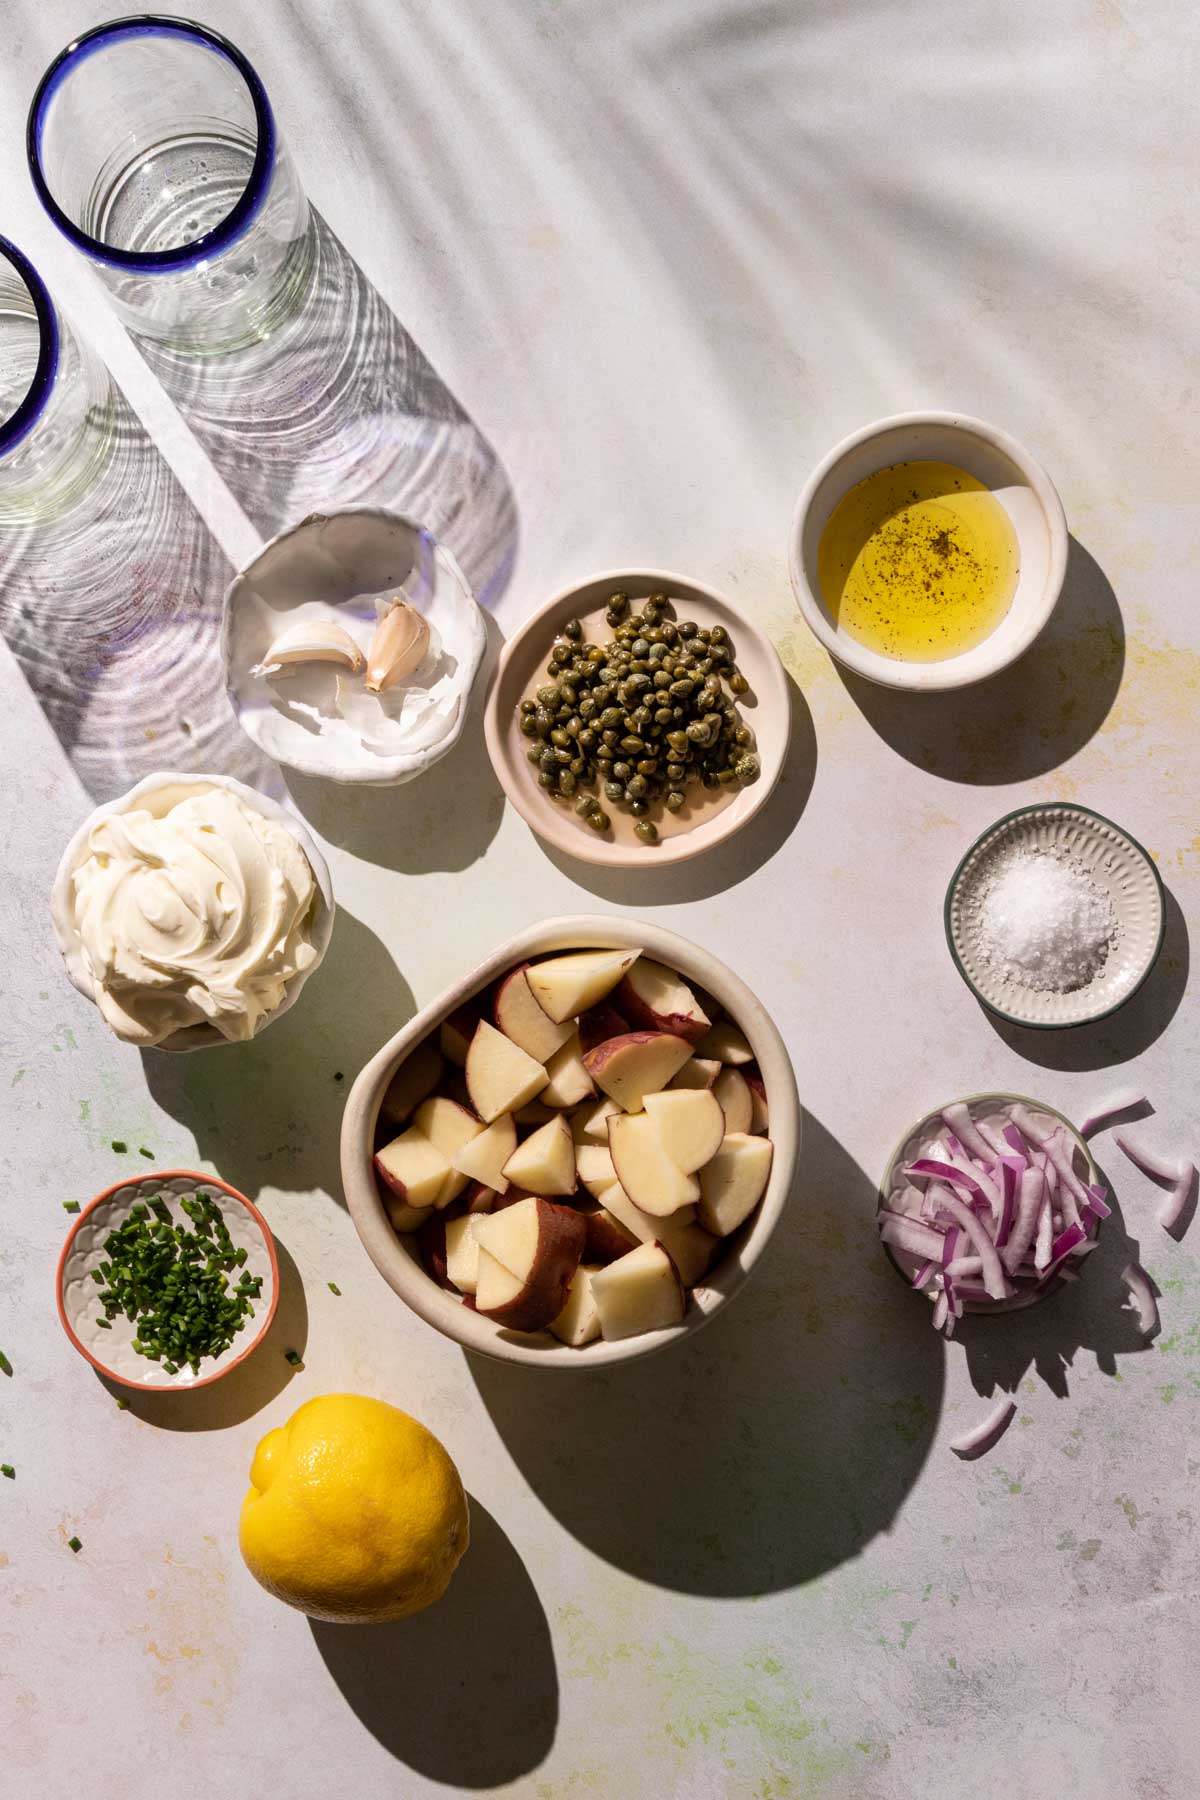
[(918, 562)]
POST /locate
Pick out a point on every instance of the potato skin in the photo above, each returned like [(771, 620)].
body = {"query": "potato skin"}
[(561, 1236)]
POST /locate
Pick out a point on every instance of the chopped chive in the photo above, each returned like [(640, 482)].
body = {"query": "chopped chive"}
[(7, 1470), (335, 1289), (70, 1206), (293, 1357), (74, 1544), (148, 1154), (171, 1368), (122, 1404), (103, 1324), (119, 1146), (5, 1365)]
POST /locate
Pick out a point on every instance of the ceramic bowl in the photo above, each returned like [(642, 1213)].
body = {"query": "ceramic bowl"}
[(396, 1257), (766, 709), (1119, 866), (1018, 482), (335, 566), (911, 1145), (174, 786), (112, 1351)]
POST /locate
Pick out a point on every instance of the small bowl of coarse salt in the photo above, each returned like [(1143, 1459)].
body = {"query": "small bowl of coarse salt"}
[(1055, 916)]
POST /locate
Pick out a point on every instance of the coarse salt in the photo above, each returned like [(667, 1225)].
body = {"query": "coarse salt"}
[(1044, 921)]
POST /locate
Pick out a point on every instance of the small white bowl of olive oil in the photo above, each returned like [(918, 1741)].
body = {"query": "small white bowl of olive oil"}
[(928, 551)]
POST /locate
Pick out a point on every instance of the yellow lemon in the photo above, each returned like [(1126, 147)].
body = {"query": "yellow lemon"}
[(355, 1512)]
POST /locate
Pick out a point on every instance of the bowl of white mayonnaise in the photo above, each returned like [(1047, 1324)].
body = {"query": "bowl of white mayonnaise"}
[(191, 911)]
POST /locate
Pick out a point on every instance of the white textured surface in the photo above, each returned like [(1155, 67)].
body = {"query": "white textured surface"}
[(665, 254)]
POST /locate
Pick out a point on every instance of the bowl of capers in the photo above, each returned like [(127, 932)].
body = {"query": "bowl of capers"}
[(638, 718)]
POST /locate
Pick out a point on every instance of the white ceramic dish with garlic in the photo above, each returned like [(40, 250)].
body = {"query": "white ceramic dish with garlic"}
[(351, 644)]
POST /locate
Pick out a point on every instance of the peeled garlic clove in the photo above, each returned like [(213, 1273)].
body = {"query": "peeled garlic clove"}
[(399, 646), (312, 640)]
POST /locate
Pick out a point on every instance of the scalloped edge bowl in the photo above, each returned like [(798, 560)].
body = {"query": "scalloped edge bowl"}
[(396, 1258), (74, 1286), (1121, 867)]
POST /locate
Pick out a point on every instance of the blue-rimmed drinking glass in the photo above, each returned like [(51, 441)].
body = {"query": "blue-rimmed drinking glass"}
[(55, 400), (153, 147)]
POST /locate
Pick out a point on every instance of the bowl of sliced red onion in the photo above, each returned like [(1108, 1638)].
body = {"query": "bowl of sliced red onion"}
[(988, 1204)]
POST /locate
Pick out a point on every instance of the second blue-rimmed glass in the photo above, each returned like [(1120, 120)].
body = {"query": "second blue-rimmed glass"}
[(55, 400), (153, 146)]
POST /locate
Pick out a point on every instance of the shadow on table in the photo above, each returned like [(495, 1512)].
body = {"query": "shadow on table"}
[(269, 1113), (774, 1445), (1088, 1314), (340, 407), (1127, 1032), (465, 1693), (237, 1396), (1027, 720), (444, 819), (724, 866), (113, 612)]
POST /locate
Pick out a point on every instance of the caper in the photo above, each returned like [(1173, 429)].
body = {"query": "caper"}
[(639, 808), (725, 776), (640, 647), (535, 755), (573, 630), (635, 787), (547, 780), (577, 765), (587, 738), (648, 765), (676, 800), (718, 635), (663, 715), (529, 726), (560, 738), (619, 602), (638, 720), (739, 684), (748, 768), (743, 735), (585, 804), (548, 694), (612, 715), (646, 831), (614, 790), (622, 771), (598, 820), (604, 765), (633, 745), (675, 771), (566, 783)]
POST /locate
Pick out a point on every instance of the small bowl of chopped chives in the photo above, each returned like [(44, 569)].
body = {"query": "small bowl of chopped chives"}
[(168, 1280), (1054, 917)]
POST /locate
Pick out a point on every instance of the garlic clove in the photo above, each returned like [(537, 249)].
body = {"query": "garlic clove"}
[(399, 646), (312, 640)]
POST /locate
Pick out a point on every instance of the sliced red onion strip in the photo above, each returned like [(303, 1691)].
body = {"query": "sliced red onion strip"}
[(1030, 1195), (953, 1303), (983, 1437), (958, 1119), (1098, 1202), (948, 1328), (1067, 1240), (1148, 1162), (1012, 1170), (1045, 1234), (922, 1275), (1174, 1208), (1141, 1292), (940, 1311), (1015, 1143), (991, 1136), (954, 1175), (1128, 1100), (993, 1275), (908, 1234), (950, 1244), (964, 1266), (1052, 1144)]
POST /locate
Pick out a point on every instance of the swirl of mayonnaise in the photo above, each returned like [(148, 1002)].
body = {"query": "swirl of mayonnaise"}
[(200, 914)]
